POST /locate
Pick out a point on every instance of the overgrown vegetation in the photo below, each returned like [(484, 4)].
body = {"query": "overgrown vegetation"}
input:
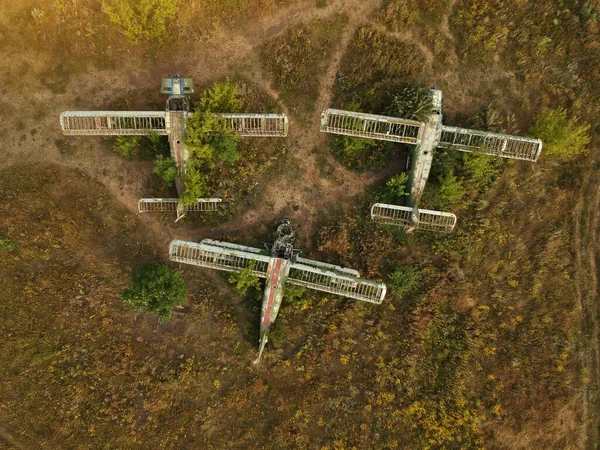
[(140, 147), (297, 60), (141, 20), (165, 169), (155, 289), (245, 279), (374, 56), (405, 280), (208, 138), (562, 137)]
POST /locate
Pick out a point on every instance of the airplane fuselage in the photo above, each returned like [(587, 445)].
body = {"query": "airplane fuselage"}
[(277, 274)]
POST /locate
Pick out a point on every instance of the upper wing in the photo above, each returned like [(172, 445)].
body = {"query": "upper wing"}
[(371, 126), (113, 122), (496, 144), (267, 125), (421, 219), (219, 255), (327, 280)]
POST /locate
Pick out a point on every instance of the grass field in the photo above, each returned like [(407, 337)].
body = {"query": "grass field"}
[(488, 337)]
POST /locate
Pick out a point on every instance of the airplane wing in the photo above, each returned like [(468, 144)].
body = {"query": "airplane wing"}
[(371, 126), (219, 255), (334, 282), (488, 143), (106, 123), (257, 125)]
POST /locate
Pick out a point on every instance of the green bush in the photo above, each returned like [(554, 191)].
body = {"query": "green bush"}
[(245, 279), (140, 147), (155, 289), (222, 97), (451, 191), (165, 169), (358, 153), (141, 19), (411, 102), (561, 136), (7, 244), (395, 188), (480, 170), (405, 280), (225, 148), (195, 186), (294, 295)]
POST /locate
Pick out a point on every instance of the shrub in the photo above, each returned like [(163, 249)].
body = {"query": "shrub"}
[(194, 186), (411, 102), (155, 289), (358, 153), (165, 169), (480, 170), (140, 147), (294, 295), (141, 19), (7, 244), (451, 191), (225, 147), (395, 188), (245, 279), (561, 136), (127, 146), (222, 97), (405, 280)]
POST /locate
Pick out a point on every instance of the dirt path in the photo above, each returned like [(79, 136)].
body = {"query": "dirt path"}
[(303, 197), (32, 134), (587, 253)]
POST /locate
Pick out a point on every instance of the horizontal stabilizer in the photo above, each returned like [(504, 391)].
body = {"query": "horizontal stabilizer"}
[(487, 143), (119, 123), (213, 255), (420, 219), (371, 126), (170, 204), (334, 282)]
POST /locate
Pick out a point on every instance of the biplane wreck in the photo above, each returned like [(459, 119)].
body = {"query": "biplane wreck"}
[(279, 265)]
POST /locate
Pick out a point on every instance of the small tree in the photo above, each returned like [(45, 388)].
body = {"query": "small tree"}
[(357, 153), (222, 97), (411, 102), (561, 136), (194, 186), (405, 280), (128, 146), (480, 170), (141, 19), (395, 188), (451, 190), (165, 169), (155, 289), (140, 147), (225, 147), (294, 295), (245, 279)]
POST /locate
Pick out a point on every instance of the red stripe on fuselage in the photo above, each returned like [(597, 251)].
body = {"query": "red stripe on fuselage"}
[(272, 290)]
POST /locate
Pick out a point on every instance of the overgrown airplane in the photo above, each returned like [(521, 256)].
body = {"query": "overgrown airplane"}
[(171, 122), (426, 137), (281, 265)]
